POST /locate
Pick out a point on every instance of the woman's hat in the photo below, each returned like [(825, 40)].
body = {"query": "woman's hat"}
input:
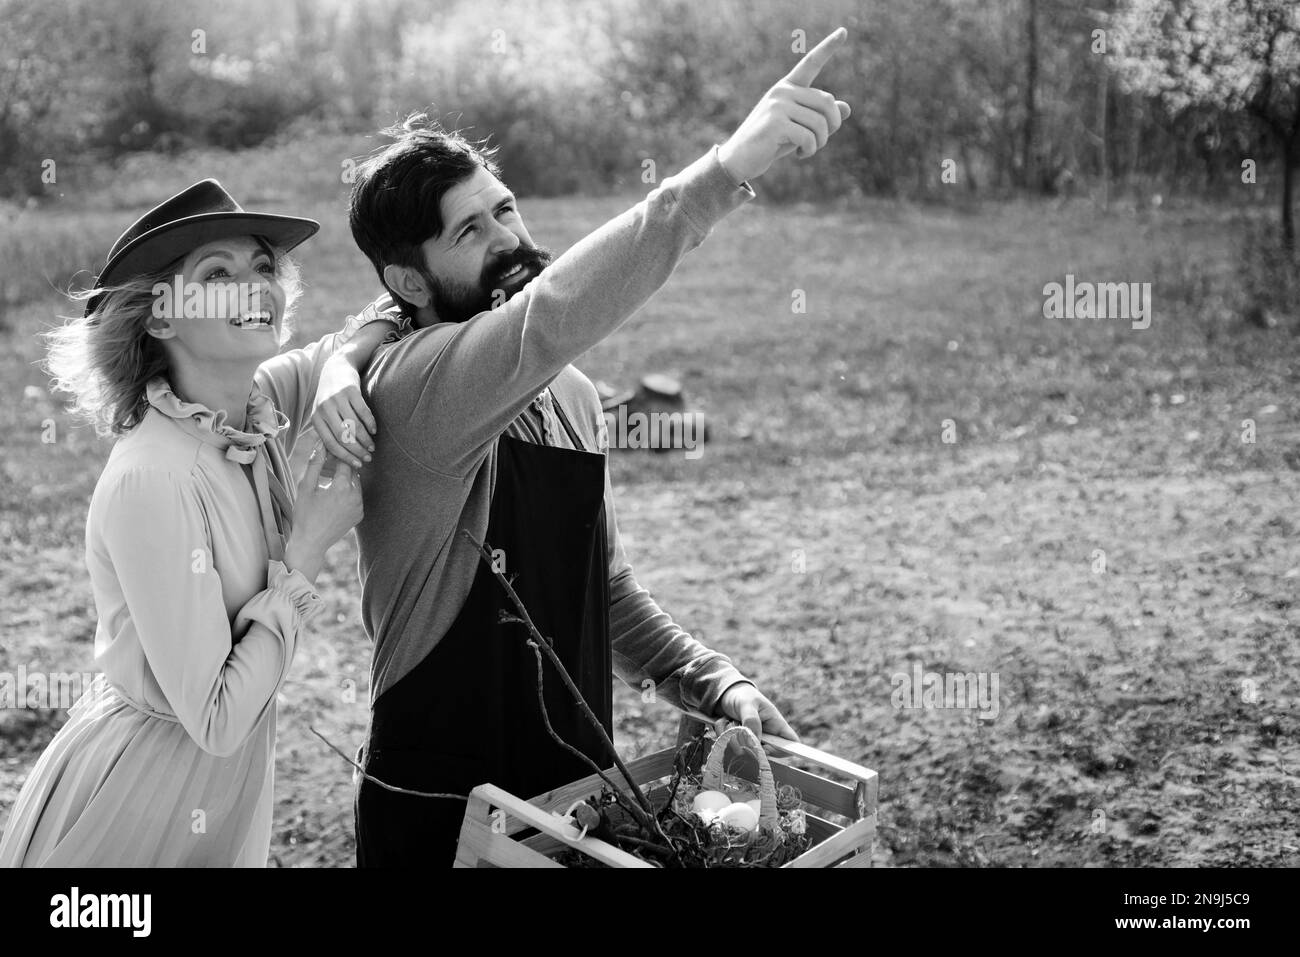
[(196, 215)]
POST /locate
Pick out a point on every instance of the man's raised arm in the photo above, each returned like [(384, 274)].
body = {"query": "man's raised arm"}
[(451, 389)]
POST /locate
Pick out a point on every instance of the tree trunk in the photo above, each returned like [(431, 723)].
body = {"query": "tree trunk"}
[(1029, 145), (1288, 224), (895, 120), (1103, 140), (968, 169)]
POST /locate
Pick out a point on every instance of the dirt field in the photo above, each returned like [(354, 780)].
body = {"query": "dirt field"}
[(1098, 534)]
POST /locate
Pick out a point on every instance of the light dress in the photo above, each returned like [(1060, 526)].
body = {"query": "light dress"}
[(168, 759)]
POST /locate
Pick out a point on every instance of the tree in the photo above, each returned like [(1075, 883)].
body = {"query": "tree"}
[(1029, 143), (1234, 55), (41, 51)]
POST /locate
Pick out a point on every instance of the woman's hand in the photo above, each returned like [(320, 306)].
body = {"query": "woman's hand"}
[(321, 516), (341, 417)]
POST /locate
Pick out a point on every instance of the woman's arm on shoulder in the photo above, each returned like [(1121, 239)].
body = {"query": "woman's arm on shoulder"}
[(329, 369), (340, 415)]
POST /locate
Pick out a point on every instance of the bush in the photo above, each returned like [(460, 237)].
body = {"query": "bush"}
[(42, 251)]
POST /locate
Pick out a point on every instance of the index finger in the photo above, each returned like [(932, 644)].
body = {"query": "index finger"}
[(782, 729), (806, 70)]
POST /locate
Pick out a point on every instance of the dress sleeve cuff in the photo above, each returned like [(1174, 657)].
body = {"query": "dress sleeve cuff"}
[(381, 308), (294, 586)]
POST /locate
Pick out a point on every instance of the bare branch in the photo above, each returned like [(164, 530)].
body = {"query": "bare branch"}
[(383, 784)]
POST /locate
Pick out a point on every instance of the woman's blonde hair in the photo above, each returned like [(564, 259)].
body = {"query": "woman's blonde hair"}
[(106, 358)]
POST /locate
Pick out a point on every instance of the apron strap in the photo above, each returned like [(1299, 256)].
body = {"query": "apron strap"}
[(564, 419)]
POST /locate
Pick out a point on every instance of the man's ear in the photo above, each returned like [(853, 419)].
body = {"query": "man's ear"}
[(408, 284)]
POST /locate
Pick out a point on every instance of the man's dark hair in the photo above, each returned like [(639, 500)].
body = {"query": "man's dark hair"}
[(396, 201)]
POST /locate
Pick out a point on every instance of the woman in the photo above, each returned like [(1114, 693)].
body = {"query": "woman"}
[(201, 564)]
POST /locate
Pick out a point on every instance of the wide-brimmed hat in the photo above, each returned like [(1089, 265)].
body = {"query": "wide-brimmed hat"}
[(196, 215)]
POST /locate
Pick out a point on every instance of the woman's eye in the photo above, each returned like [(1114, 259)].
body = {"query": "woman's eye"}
[(268, 268), (219, 271)]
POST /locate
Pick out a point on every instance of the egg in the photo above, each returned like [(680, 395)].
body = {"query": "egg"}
[(750, 798), (712, 801), (740, 816)]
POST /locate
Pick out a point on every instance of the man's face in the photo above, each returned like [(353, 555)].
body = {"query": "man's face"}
[(484, 254)]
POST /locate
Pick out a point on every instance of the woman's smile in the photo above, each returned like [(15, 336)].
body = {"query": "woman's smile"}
[(259, 321)]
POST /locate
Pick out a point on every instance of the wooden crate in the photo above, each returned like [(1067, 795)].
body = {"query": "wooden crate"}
[(833, 845)]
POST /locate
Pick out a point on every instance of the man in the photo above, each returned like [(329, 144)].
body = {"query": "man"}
[(485, 426)]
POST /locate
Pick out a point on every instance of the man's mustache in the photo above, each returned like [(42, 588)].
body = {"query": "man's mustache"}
[(530, 257)]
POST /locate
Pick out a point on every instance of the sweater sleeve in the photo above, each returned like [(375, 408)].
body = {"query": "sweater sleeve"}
[(219, 677), (450, 389)]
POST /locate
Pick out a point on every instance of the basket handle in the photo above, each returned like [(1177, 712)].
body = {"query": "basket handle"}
[(793, 748), (766, 783)]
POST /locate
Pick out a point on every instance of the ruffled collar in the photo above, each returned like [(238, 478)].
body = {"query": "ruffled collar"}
[(265, 419)]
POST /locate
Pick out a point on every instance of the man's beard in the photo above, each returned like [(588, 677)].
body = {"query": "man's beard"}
[(457, 302)]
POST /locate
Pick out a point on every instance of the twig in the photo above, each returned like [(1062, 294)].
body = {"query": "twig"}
[(564, 674), (383, 784), (632, 808), (681, 761), (650, 847)]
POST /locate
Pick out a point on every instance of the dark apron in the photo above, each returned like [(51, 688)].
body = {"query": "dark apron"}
[(468, 713)]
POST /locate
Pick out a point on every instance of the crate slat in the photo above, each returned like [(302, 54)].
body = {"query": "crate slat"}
[(818, 791), (480, 847), (858, 834), (485, 796), (643, 770), (860, 859)]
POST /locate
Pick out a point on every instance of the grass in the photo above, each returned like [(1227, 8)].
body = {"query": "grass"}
[(1125, 734)]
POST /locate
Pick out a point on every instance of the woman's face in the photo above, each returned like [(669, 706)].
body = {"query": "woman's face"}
[(229, 305)]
